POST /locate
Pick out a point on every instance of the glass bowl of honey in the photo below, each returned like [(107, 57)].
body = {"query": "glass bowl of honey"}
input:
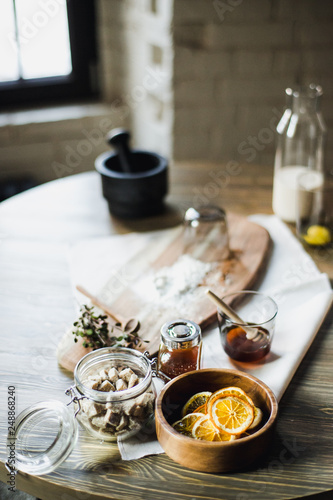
[(250, 339)]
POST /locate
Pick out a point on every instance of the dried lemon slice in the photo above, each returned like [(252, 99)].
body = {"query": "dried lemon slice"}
[(195, 402), (185, 425), (231, 414), (205, 430)]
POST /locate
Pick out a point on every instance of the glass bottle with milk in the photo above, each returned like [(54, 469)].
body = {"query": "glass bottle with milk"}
[(301, 133)]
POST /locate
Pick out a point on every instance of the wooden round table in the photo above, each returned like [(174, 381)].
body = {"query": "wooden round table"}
[(37, 305)]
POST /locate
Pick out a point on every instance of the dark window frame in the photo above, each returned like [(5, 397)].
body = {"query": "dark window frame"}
[(81, 84)]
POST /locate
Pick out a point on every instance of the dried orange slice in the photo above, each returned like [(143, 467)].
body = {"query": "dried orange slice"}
[(234, 391), (231, 414), (257, 417), (185, 425), (195, 402), (201, 409), (205, 430), (223, 436)]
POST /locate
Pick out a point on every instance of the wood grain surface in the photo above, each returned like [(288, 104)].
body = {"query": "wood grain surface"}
[(250, 247), (37, 305)]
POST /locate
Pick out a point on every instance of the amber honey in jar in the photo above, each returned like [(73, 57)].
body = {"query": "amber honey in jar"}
[(180, 348)]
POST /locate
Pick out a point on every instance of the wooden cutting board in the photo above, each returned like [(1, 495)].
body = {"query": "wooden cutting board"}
[(128, 292)]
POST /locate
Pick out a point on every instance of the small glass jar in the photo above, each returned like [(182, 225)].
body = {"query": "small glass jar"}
[(206, 234), (301, 133), (107, 405), (258, 311), (45, 433), (180, 348)]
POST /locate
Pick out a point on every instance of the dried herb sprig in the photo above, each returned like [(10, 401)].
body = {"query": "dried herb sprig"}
[(98, 332)]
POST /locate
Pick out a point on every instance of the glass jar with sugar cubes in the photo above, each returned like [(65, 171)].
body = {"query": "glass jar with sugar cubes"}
[(113, 398), (113, 394)]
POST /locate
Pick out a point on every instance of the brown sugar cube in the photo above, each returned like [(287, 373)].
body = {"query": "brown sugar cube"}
[(139, 412), (91, 409), (126, 374), (129, 407), (134, 380), (93, 383), (106, 386), (121, 385), (113, 375), (145, 399), (123, 423), (104, 374), (114, 406), (112, 417), (98, 422)]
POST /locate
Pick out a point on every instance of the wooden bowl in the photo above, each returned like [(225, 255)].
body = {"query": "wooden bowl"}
[(213, 456)]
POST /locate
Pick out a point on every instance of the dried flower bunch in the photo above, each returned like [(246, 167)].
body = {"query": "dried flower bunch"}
[(96, 331)]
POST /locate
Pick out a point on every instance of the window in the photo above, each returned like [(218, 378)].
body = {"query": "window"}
[(48, 51)]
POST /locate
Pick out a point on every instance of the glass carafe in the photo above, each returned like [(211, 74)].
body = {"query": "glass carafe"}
[(301, 132)]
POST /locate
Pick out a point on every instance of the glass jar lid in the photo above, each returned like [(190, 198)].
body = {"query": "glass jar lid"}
[(181, 334), (44, 435)]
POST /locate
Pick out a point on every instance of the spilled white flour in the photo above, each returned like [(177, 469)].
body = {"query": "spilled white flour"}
[(181, 278)]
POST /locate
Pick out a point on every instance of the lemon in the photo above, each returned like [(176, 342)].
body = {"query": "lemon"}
[(317, 235)]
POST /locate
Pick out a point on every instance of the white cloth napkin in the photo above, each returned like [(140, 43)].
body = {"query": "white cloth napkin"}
[(302, 293), (303, 296)]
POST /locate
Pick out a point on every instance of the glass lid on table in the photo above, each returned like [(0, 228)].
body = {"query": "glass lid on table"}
[(42, 437), (112, 398)]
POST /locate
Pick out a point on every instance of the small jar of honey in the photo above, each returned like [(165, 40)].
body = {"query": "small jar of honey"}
[(180, 348)]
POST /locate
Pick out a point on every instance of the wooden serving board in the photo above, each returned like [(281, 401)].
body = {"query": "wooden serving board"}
[(128, 292)]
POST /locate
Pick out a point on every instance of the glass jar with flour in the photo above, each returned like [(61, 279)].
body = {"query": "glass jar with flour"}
[(301, 132)]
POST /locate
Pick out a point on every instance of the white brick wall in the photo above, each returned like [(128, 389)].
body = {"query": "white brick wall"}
[(40, 145), (192, 79), (143, 55), (228, 64), (252, 52)]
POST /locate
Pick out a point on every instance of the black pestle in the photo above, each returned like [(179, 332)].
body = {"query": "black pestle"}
[(118, 138), (134, 181)]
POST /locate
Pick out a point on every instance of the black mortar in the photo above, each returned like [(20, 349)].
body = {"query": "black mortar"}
[(134, 186)]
